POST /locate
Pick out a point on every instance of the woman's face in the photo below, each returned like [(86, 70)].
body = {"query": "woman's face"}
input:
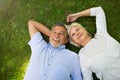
[(78, 34)]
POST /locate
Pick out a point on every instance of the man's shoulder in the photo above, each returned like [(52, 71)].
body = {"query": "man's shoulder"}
[(71, 53)]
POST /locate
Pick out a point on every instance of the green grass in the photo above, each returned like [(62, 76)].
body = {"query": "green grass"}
[(14, 15)]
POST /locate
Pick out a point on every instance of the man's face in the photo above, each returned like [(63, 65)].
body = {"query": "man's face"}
[(58, 36)]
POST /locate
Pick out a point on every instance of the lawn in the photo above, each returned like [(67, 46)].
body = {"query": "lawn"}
[(14, 15)]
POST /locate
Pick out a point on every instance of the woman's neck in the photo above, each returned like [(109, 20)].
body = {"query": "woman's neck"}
[(86, 41)]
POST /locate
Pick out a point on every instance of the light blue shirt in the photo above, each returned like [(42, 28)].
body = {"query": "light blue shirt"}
[(49, 63)]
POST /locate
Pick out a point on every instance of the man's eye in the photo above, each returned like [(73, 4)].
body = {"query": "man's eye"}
[(54, 32), (61, 34)]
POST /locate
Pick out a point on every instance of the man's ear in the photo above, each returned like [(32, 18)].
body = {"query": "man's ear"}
[(50, 34)]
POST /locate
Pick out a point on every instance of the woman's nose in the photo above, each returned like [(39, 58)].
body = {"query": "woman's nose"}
[(77, 33)]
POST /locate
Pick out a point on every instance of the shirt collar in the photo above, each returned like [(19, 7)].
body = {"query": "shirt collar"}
[(59, 47)]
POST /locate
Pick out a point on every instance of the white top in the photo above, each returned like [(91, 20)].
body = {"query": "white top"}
[(102, 54)]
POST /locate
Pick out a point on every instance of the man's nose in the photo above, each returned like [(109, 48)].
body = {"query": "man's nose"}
[(57, 35)]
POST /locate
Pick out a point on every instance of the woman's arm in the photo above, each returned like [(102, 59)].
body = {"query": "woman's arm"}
[(86, 72), (75, 16), (95, 11), (100, 19)]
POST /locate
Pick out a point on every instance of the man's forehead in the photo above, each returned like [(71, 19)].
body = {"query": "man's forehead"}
[(59, 28)]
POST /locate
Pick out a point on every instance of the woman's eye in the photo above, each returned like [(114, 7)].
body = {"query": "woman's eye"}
[(73, 34), (77, 29)]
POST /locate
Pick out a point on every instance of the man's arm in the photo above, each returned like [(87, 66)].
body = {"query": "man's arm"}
[(34, 26)]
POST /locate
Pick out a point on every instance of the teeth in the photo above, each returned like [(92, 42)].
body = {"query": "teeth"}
[(56, 39)]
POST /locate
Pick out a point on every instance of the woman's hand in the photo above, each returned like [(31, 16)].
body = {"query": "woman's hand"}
[(72, 17)]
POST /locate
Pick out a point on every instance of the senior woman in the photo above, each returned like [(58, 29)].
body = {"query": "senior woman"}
[(100, 54)]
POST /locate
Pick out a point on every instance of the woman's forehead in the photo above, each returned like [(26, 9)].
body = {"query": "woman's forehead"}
[(73, 28)]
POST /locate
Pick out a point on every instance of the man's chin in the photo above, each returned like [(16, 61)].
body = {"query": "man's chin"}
[(55, 45)]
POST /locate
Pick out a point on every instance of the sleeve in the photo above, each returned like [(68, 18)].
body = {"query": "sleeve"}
[(77, 74), (100, 19), (37, 41), (86, 72)]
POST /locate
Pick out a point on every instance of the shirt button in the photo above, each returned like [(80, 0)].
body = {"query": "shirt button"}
[(48, 64), (51, 56), (44, 74)]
